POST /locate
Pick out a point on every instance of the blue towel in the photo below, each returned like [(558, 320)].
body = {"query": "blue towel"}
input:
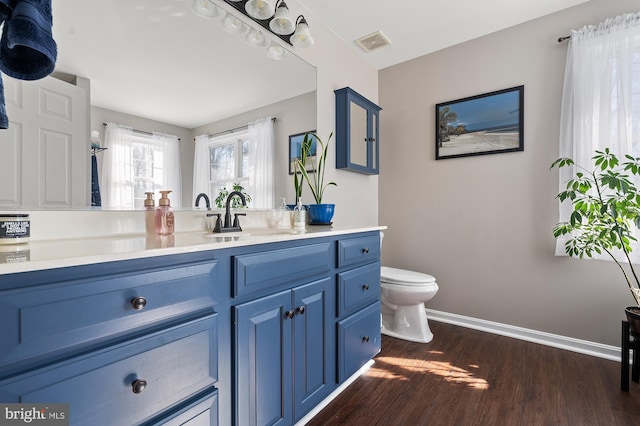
[(27, 48)]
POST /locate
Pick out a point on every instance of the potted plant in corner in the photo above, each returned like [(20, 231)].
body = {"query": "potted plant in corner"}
[(319, 213), (605, 213)]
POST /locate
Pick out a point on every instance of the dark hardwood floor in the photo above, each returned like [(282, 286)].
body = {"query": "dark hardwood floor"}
[(469, 377)]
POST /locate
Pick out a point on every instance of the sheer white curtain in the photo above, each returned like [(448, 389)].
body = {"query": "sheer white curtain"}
[(171, 170), (116, 176), (261, 137), (601, 96), (201, 164)]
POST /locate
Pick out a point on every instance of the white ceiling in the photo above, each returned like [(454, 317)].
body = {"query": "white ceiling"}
[(157, 59), (419, 27)]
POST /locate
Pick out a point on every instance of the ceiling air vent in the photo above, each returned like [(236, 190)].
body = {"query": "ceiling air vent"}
[(373, 41)]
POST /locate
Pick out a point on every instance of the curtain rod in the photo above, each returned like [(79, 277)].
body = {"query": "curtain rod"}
[(561, 39), (235, 129), (139, 131)]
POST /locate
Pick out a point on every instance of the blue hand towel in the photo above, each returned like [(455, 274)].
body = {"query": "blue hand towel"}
[(27, 48)]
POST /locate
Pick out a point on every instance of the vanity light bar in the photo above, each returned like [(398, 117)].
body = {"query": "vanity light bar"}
[(240, 7)]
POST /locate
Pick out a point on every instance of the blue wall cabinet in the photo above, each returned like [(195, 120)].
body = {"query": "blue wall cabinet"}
[(357, 133), (284, 348)]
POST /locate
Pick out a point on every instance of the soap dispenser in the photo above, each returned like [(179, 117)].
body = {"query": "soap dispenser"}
[(299, 216), (149, 219), (164, 215)]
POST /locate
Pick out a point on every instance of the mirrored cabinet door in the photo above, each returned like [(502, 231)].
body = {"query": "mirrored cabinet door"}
[(357, 132)]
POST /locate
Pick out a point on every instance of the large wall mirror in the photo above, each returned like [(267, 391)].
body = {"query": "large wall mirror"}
[(153, 65)]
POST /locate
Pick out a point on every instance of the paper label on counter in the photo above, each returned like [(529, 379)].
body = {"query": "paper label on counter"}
[(15, 229)]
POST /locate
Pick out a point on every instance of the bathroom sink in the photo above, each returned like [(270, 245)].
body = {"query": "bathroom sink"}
[(251, 232)]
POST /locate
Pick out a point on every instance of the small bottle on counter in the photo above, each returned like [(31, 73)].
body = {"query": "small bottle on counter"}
[(299, 216), (285, 214), (164, 217), (149, 219)]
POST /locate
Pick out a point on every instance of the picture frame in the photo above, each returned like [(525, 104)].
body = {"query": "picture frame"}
[(295, 142), (489, 123)]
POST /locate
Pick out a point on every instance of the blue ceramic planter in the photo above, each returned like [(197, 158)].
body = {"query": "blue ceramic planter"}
[(320, 214)]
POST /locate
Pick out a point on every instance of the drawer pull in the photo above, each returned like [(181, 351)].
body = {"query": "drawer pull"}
[(300, 310), (365, 339), (365, 250), (365, 287), (139, 385), (290, 314), (138, 303)]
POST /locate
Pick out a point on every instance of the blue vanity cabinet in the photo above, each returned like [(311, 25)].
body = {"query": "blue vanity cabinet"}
[(285, 340), (358, 322), (128, 342), (357, 132)]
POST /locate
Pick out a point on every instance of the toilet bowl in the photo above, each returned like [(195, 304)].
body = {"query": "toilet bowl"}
[(403, 294)]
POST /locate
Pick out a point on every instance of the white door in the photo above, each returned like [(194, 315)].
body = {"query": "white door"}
[(45, 150)]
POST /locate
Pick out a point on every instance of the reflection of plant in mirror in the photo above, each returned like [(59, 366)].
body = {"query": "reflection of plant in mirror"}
[(236, 203)]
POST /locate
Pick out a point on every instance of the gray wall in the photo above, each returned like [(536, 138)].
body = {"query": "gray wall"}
[(483, 225)]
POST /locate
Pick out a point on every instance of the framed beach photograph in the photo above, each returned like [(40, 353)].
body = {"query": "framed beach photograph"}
[(490, 123), (295, 142)]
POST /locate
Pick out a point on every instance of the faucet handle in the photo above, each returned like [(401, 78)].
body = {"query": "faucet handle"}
[(218, 225), (236, 221)]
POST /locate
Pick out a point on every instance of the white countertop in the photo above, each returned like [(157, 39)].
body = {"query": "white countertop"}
[(47, 254)]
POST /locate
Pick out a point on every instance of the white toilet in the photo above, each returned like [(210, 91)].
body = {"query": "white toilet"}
[(403, 294)]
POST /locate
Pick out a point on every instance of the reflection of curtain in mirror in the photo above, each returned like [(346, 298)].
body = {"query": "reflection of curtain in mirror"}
[(261, 137), (171, 166), (136, 162), (201, 168), (116, 177)]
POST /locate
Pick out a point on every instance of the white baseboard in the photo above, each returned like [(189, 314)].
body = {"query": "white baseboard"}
[(557, 341)]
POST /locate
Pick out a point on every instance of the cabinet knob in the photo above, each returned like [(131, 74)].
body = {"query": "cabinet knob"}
[(138, 303), (300, 310), (365, 339), (139, 385), (365, 250), (290, 314), (365, 287)]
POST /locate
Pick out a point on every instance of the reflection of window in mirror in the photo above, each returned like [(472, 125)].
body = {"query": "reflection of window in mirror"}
[(139, 162), (229, 159), (243, 156)]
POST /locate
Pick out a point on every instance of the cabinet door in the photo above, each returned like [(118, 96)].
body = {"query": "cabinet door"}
[(263, 361), (314, 343)]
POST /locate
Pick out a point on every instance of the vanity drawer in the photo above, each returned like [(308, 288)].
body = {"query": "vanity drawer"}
[(65, 318), (130, 383), (358, 287), (263, 271), (358, 340), (202, 412), (357, 250)]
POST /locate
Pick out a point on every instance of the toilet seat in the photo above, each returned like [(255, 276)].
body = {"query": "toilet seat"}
[(405, 278)]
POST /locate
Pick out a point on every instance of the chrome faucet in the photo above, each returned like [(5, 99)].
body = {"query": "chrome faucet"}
[(206, 200), (228, 226)]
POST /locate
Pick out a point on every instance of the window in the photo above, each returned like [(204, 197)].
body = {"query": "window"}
[(137, 162), (601, 97)]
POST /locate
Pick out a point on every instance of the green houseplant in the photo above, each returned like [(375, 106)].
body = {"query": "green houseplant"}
[(319, 213), (605, 213), (221, 199)]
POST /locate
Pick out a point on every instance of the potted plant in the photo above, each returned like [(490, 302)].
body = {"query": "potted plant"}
[(605, 212), (221, 199), (319, 213)]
